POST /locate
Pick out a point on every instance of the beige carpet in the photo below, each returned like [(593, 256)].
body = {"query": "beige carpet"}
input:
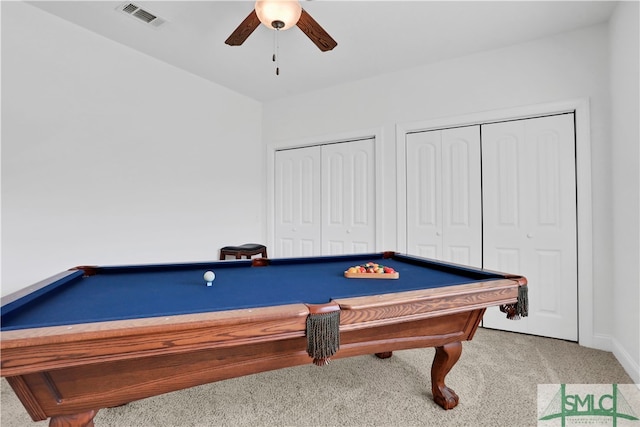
[(496, 379)]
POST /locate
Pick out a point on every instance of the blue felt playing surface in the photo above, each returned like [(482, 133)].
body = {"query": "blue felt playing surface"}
[(117, 293)]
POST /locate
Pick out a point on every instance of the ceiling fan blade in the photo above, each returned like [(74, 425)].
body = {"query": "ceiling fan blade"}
[(315, 32), (244, 30)]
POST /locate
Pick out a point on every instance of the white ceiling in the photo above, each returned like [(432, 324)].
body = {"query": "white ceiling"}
[(374, 37)]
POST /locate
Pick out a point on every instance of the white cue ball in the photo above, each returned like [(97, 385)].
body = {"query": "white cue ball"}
[(209, 277)]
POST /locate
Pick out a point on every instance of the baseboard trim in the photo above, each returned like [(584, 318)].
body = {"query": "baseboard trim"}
[(599, 342), (630, 365)]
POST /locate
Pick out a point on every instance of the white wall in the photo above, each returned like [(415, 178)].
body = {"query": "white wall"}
[(625, 139), (112, 157), (563, 67)]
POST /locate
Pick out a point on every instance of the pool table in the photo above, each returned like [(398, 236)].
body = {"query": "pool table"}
[(95, 337)]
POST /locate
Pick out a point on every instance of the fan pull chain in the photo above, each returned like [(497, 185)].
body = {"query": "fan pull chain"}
[(276, 51)]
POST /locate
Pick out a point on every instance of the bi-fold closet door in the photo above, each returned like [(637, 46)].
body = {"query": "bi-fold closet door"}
[(502, 196), (298, 207), (444, 206), (530, 219), (325, 199)]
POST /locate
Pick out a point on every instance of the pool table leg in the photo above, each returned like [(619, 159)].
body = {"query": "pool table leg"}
[(385, 355), (446, 356), (84, 419)]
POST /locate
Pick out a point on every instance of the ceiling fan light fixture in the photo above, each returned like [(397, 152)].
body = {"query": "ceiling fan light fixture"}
[(278, 14)]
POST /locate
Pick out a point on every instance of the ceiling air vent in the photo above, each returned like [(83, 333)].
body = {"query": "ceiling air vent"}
[(143, 15)]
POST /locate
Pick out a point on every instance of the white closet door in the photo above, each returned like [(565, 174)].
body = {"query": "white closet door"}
[(444, 202), (462, 196), (529, 212), (348, 197), (297, 202), (424, 194)]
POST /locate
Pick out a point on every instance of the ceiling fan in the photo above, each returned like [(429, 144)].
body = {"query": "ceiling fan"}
[(281, 15)]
